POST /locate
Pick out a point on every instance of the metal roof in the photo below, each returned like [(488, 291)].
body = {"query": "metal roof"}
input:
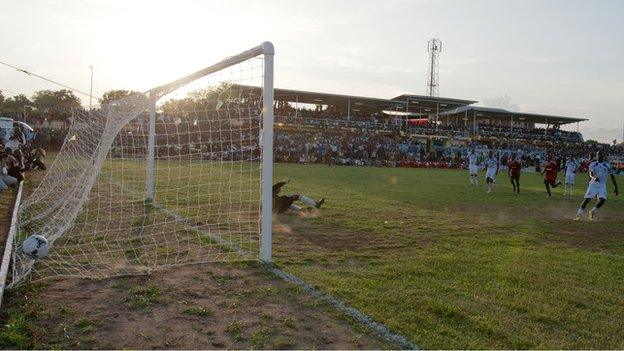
[(419, 102), (499, 113), (337, 100), (416, 104)]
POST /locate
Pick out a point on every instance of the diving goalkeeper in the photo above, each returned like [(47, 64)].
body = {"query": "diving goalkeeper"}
[(282, 203)]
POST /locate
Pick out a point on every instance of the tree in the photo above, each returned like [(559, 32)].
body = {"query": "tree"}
[(61, 98), (113, 95), (16, 102), (1, 97), (209, 98)]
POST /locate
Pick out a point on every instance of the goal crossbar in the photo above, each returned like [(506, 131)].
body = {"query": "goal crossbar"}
[(266, 48)]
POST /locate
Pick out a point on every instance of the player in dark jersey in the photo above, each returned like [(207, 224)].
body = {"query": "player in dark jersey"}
[(514, 166), (282, 203), (550, 180)]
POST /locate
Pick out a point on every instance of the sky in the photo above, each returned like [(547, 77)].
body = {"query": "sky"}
[(562, 57)]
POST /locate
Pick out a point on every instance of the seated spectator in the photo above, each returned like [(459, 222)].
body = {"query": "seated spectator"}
[(34, 159), (11, 167), (5, 179)]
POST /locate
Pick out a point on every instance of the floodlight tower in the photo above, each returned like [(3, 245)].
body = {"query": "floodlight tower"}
[(434, 46)]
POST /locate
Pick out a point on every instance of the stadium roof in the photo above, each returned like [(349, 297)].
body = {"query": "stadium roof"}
[(499, 113), (419, 102), (340, 101)]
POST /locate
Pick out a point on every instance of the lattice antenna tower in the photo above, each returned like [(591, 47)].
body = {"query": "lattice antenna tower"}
[(434, 47)]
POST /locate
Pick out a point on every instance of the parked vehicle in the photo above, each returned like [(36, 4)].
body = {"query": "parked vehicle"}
[(6, 129)]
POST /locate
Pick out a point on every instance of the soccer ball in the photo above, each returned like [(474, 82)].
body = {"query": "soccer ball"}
[(35, 246)]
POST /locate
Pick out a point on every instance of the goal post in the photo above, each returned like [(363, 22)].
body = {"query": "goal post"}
[(180, 174), (266, 49), (267, 155), (151, 154)]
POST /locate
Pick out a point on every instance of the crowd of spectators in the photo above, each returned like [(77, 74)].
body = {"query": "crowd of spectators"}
[(363, 147), (17, 156), (319, 137), (326, 119), (553, 134)]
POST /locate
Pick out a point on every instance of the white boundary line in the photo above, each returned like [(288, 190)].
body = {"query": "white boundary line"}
[(8, 246), (378, 328)]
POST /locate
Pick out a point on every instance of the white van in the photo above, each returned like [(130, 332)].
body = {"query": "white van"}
[(6, 129)]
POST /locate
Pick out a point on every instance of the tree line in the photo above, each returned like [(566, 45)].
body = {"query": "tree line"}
[(57, 103), (47, 100)]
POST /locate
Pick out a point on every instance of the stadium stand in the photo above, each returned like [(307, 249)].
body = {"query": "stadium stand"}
[(405, 131)]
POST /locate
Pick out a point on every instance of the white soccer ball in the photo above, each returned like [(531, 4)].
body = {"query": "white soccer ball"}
[(35, 246)]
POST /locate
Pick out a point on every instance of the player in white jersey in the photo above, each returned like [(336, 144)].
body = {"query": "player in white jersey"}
[(571, 168), (599, 171), (491, 170), (473, 168)]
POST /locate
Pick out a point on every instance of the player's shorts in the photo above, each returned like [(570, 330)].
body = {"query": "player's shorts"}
[(491, 174), (282, 203), (473, 169), (515, 176), (596, 189), (569, 178)]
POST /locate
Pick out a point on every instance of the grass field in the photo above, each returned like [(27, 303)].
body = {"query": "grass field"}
[(419, 250), (450, 266)]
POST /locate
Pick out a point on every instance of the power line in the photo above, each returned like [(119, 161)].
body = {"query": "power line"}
[(46, 79), (8, 91)]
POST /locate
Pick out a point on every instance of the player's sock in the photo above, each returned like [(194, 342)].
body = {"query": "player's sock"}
[(547, 188), (320, 203), (306, 200), (295, 208), (565, 189), (579, 212)]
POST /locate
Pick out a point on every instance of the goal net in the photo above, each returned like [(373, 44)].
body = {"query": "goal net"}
[(178, 175)]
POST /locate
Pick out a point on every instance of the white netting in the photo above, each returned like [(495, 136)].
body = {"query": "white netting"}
[(92, 205)]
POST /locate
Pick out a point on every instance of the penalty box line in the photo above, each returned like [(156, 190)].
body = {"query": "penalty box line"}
[(379, 329)]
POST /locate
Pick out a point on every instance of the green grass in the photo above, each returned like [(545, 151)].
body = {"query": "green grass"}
[(85, 325), (235, 330), (450, 266), (199, 311), (419, 250), (142, 296), (16, 332)]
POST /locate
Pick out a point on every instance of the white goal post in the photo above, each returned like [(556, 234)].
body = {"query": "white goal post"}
[(180, 174), (266, 49)]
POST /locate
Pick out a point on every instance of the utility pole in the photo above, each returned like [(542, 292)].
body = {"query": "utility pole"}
[(91, 89)]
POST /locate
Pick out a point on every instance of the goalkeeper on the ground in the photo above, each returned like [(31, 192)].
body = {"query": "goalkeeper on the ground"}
[(282, 203)]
